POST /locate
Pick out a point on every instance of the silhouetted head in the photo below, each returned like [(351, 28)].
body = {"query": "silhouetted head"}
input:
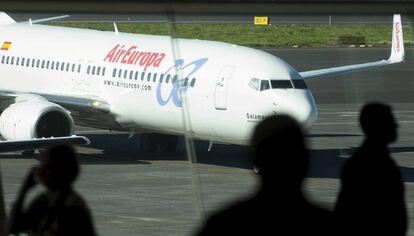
[(59, 167), (279, 151), (378, 123)]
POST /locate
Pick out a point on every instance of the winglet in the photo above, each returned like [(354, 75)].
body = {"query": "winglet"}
[(397, 47)]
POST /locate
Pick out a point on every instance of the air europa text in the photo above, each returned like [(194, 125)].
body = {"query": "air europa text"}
[(131, 56)]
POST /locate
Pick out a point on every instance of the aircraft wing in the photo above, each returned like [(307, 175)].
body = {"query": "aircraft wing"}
[(397, 55), (10, 146)]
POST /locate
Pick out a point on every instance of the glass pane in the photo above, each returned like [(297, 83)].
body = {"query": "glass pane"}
[(166, 154), (281, 84), (264, 85)]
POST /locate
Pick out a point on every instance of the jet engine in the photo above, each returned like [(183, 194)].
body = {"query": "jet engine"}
[(35, 119)]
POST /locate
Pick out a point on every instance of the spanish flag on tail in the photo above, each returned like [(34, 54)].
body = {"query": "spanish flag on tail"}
[(6, 45)]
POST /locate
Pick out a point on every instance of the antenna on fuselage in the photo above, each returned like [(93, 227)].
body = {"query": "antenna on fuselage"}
[(116, 29)]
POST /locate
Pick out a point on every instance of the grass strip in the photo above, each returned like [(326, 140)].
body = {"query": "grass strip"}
[(276, 35)]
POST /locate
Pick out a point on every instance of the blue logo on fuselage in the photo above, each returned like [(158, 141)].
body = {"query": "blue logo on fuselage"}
[(178, 68)]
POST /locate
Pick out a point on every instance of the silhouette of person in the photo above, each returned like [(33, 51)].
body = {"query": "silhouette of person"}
[(279, 207), (59, 210), (371, 200)]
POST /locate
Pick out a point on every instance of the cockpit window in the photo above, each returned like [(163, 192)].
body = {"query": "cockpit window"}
[(254, 83), (264, 85), (281, 84), (299, 84)]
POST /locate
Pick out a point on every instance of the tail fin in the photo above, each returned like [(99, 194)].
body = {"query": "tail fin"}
[(6, 19), (397, 47)]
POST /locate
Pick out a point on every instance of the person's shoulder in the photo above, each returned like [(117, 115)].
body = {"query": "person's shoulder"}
[(75, 203), (38, 205), (40, 199), (359, 158), (74, 198)]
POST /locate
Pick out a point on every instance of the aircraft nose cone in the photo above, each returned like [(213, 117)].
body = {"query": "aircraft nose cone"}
[(301, 106), (307, 113)]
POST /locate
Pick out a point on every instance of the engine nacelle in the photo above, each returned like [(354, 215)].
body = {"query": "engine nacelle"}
[(35, 119)]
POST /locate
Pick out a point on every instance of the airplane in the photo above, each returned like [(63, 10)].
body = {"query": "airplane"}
[(55, 77)]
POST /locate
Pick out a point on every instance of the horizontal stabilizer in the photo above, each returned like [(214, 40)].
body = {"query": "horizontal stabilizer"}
[(22, 145), (46, 19)]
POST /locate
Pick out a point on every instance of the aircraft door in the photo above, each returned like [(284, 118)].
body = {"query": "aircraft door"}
[(220, 90)]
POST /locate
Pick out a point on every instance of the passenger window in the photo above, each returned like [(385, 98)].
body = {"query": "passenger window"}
[(88, 70), (155, 77), (161, 77), (103, 71), (17, 61), (264, 85), (52, 66), (23, 61), (93, 70), (12, 61), (62, 67), (185, 82), (136, 75), (67, 66), (73, 67), (119, 73), (47, 64), (114, 73), (131, 73), (57, 65), (28, 62), (79, 68), (98, 70), (7, 59), (254, 83), (3, 59), (149, 77), (174, 79), (167, 79), (43, 64), (193, 82), (125, 74), (142, 76)]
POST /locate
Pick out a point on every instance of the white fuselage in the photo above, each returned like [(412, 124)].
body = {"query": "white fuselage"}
[(125, 71)]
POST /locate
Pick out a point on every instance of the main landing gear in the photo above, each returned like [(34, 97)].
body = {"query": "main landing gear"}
[(151, 143)]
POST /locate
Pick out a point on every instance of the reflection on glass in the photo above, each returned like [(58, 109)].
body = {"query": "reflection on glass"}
[(145, 178)]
